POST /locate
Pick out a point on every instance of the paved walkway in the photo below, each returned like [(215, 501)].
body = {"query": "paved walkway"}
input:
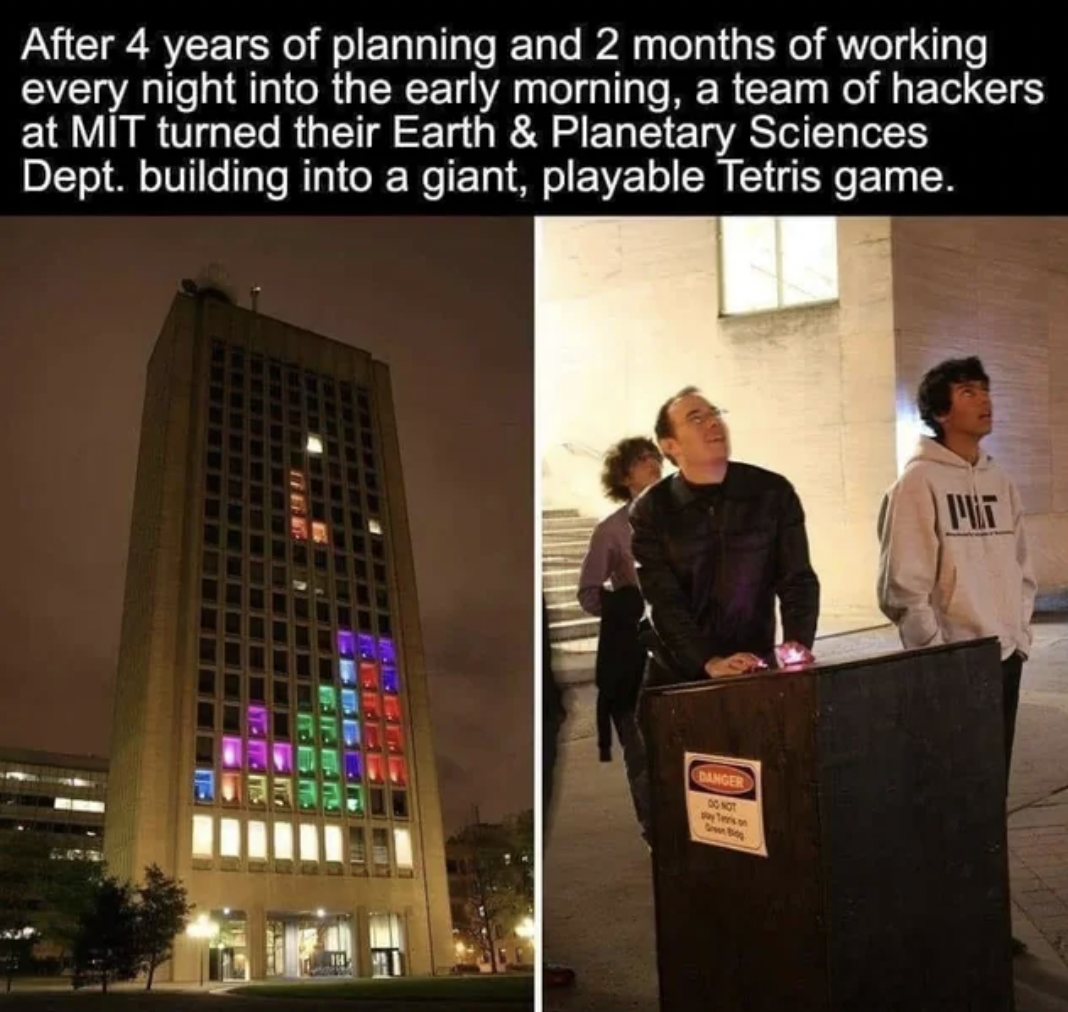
[(599, 901)]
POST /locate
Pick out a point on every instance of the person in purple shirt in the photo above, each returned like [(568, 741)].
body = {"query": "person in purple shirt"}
[(608, 588)]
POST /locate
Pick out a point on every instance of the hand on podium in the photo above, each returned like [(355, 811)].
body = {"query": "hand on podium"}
[(793, 656), (736, 664)]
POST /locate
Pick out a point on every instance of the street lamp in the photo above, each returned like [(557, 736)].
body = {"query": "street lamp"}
[(203, 927)]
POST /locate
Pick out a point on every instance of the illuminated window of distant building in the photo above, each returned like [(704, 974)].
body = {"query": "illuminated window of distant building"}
[(315, 444), (402, 848), (257, 841), (283, 841), (334, 844), (770, 263), (374, 526), (309, 842), (319, 534), (299, 528), (203, 836), (230, 838)]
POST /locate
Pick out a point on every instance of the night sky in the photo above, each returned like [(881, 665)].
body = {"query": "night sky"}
[(447, 303)]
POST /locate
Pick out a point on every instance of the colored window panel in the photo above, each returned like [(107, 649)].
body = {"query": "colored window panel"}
[(386, 653), (307, 796), (348, 703), (204, 787), (353, 766), (305, 728), (257, 792), (368, 675), (371, 708), (394, 740), (257, 756), (332, 798), (327, 731), (298, 526), (372, 737), (351, 732), (230, 789), (283, 757), (257, 721), (283, 794), (319, 533), (296, 481), (231, 753), (391, 708), (390, 681), (348, 671), (331, 768), (398, 771), (327, 700), (346, 643), (354, 800), (306, 760), (374, 769), (298, 505), (367, 648)]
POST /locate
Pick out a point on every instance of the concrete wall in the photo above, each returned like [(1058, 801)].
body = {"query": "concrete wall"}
[(628, 312), (997, 288)]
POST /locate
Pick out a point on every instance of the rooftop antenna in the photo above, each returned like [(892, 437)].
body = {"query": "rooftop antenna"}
[(254, 291)]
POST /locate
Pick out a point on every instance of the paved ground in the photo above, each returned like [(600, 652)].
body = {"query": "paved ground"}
[(599, 902)]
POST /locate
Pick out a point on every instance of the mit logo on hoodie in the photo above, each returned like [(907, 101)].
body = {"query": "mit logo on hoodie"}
[(973, 514)]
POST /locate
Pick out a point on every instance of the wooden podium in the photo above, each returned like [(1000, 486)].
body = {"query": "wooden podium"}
[(834, 840)]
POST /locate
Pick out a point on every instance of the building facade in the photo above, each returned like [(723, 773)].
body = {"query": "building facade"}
[(812, 333), (58, 798), (272, 744)]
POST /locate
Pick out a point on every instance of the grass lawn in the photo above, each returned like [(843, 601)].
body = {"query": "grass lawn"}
[(485, 987)]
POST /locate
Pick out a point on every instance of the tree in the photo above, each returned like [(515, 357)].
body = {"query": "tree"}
[(67, 893), (161, 914), (106, 946), (492, 880), (21, 865)]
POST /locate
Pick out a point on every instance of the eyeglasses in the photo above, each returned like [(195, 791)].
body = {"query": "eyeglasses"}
[(702, 418)]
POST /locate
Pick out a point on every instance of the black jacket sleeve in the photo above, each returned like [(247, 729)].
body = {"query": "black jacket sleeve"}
[(669, 609), (797, 585)]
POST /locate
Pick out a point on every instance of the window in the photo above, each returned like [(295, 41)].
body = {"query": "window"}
[(283, 841), (203, 841), (402, 848), (777, 263), (257, 841), (230, 838)]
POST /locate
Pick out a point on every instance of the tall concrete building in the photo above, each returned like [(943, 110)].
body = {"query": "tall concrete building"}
[(271, 742)]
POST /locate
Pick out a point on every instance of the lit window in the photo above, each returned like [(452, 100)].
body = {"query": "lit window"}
[(230, 838), (394, 740), (319, 535), (204, 786), (203, 836), (257, 841), (334, 844), (348, 671), (283, 841), (402, 848), (299, 528), (296, 481), (374, 526), (231, 789), (231, 753), (777, 263), (300, 585), (309, 842), (392, 707), (257, 792), (315, 444), (398, 771), (298, 504)]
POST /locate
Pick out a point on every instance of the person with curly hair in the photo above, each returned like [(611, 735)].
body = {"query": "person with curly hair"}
[(608, 588)]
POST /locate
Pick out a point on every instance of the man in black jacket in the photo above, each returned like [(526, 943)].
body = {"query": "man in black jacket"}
[(714, 546)]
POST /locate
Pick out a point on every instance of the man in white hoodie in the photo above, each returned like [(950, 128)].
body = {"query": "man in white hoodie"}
[(954, 562)]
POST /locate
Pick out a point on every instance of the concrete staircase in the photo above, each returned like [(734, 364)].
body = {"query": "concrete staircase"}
[(572, 633)]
